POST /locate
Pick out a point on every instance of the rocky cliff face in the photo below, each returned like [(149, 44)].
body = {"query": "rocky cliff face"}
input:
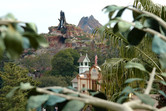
[(72, 31), (73, 37), (88, 24)]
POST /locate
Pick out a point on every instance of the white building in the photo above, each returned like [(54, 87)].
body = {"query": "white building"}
[(87, 77)]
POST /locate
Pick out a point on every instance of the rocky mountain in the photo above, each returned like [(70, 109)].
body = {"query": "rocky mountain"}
[(71, 31), (71, 36), (88, 24)]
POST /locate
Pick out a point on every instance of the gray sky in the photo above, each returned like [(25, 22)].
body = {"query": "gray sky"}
[(45, 13)]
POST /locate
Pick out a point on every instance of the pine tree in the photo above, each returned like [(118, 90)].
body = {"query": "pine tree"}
[(12, 76)]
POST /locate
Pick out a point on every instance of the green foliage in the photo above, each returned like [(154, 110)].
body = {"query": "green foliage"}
[(65, 62), (145, 99), (73, 105), (135, 65), (54, 100), (94, 50), (12, 76), (145, 25), (21, 36), (132, 79), (144, 22), (115, 68), (37, 63), (53, 81), (135, 36), (124, 35), (149, 6), (36, 101)]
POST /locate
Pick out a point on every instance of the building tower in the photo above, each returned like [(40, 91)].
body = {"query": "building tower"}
[(83, 64)]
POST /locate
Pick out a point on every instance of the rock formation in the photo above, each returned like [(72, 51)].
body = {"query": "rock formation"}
[(88, 24)]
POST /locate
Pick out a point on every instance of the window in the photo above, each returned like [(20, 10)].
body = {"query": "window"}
[(81, 64), (86, 64), (83, 86)]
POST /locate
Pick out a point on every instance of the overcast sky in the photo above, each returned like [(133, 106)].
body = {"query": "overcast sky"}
[(45, 13)]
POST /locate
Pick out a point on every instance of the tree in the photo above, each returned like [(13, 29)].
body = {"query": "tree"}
[(158, 10), (46, 81), (65, 62), (149, 6), (12, 76), (37, 63), (140, 52)]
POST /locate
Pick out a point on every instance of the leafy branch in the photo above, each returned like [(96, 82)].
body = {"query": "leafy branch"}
[(15, 36)]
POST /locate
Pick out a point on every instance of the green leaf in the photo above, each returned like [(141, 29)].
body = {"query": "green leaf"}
[(135, 65), (116, 28), (112, 8), (140, 16), (52, 100), (145, 99), (10, 16), (127, 90), (100, 95), (158, 45), (19, 28), (56, 90), (132, 80), (42, 41), (162, 30), (32, 39), (123, 26), (163, 74), (73, 105), (11, 93), (138, 25), (13, 42), (162, 93), (31, 27), (36, 101), (162, 61), (163, 82), (25, 86), (70, 87), (135, 36), (26, 43), (120, 12), (36, 40), (135, 14), (151, 23), (121, 99), (93, 93)]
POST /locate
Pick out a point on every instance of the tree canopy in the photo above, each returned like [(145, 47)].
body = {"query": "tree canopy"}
[(65, 62), (12, 76)]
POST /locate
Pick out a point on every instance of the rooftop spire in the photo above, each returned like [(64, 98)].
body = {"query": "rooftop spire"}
[(96, 60)]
